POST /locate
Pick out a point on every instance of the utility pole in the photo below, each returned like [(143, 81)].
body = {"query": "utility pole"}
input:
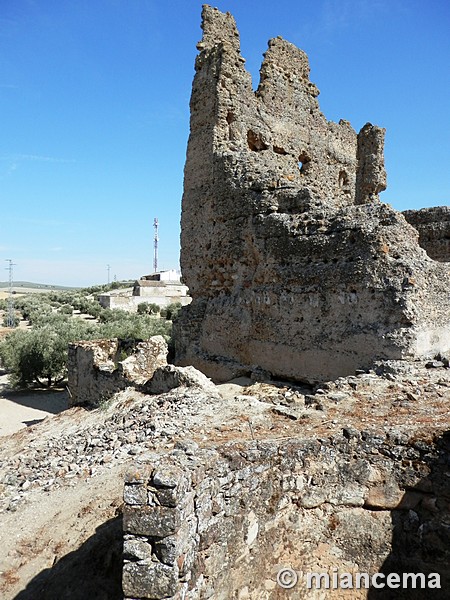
[(155, 246), (11, 315), (109, 269)]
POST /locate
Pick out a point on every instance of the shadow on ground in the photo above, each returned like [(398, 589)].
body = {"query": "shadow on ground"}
[(33, 422), (51, 401), (92, 571)]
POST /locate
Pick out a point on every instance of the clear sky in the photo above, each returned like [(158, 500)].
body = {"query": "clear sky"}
[(94, 113)]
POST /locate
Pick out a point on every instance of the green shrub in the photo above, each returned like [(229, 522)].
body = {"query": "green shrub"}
[(154, 309), (94, 309), (113, 314), (40, 354), (134, 326), (66, 309), (16, 321), (142, 308), (172, 310), (145, 308)]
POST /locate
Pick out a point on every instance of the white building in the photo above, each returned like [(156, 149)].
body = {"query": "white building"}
[(160, 288)]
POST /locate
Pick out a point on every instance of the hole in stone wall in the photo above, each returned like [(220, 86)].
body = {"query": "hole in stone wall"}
[(343, 179), (255, 141), (279, 150), (303, 162), (230, 118)]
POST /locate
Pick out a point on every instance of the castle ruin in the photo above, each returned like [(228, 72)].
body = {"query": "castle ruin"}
[(295, 266)]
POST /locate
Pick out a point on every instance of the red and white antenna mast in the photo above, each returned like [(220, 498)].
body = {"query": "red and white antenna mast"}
[(155, 245)]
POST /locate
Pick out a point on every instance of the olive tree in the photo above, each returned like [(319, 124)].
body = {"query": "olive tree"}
[(39, 355)]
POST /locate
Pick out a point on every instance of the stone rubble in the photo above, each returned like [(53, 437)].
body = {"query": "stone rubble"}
[(395, 412), (133, 424), (337, 454), (214, 521)]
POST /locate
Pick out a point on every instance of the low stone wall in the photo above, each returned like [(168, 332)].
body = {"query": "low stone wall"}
[(222, 522), (97, 369)]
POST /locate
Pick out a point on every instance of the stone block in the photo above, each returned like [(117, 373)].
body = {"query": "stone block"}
[(149, 580), (138, 474), (136, 550), (169, 549), (154, 521), (135, 494)]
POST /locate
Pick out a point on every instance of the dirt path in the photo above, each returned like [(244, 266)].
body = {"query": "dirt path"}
[(78, 526), (22, 409)]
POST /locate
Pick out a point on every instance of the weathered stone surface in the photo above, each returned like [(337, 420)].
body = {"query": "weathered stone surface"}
[(169, 549), (294, 265), (313, 504), (138, 474), (167, 476), (98, 369), (384, 496), (297, 270), (136, 549), (169, 377), (433, 225), (145, 358), (158, 521), (149, 580), (242, 474), (135, 494)]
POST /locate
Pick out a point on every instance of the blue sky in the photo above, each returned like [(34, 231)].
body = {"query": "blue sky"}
[(94, 105)]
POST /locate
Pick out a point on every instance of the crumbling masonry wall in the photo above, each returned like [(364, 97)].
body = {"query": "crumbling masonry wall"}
[(433, 225), (294, 265), (97, 369), (221, 522)]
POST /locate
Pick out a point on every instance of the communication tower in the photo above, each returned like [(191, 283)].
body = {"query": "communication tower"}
[(10, 315), (155, 246)]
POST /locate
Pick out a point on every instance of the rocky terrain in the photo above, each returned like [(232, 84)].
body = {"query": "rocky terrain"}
[(62, 479)]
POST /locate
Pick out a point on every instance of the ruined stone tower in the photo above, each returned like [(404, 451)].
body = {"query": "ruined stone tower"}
[(294, 265)]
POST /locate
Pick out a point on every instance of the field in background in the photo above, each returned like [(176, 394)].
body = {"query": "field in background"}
[(27, 287), (35, 287)]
